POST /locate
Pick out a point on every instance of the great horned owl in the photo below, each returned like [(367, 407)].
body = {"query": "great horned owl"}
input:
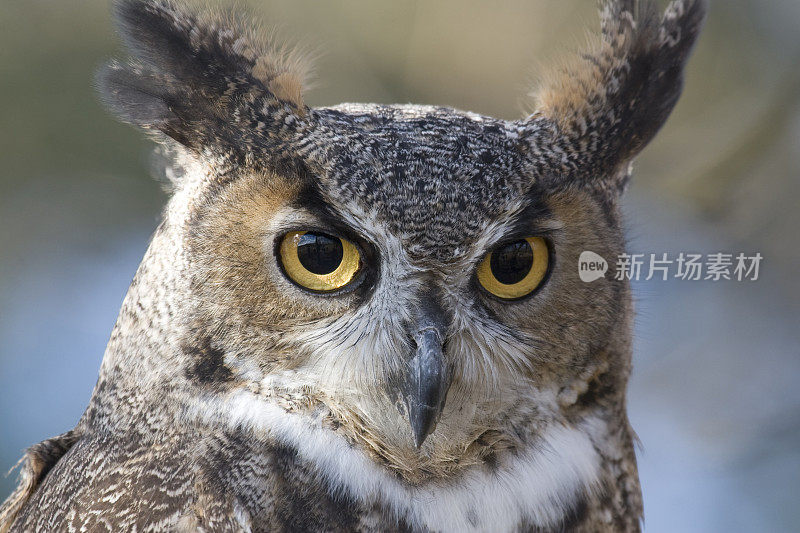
[(366, 317)]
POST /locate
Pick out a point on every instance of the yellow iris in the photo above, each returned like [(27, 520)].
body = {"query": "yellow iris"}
[(515, 269), (319, 262)]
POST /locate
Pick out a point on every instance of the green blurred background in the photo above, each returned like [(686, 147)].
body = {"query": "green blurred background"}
[(714, 395)]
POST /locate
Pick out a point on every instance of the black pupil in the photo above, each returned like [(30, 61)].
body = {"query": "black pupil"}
[(319, 253), (511, 263)]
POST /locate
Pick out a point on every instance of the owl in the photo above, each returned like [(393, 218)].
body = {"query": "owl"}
[(366, 317)]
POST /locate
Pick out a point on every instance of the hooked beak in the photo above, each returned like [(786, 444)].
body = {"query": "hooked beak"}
[(427, 378)]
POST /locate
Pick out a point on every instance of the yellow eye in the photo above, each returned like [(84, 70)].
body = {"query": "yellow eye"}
[(317, 261), (515, 269)]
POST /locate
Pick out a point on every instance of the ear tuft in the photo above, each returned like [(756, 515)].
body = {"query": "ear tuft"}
[(133, 93), (286, 86), (603, 108), (206, 80)]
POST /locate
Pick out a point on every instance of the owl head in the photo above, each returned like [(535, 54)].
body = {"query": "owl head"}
[(406, 273)]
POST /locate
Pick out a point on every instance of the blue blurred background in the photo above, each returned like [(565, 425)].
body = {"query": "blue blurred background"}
[(714, 394)]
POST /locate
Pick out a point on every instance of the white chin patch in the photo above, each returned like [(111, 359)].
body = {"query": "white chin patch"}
[(538, 486)]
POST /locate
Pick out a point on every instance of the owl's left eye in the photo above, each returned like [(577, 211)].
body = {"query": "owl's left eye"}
[(317, 261), (515, 269)]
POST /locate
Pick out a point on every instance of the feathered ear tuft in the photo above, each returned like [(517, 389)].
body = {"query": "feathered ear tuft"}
[(602, 110), (204, 80)]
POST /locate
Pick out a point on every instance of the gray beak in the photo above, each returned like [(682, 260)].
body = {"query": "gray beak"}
[(427, 378)]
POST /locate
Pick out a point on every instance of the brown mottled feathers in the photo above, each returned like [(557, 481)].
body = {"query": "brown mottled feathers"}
[(196, 482), (232, 399)]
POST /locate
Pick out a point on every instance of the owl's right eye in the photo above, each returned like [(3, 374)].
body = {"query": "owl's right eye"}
[(317, 261)]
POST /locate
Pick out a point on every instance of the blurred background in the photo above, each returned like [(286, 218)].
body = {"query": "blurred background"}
[(714, 395)]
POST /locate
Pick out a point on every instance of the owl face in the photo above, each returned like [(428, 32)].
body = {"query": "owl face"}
[(413, 277), (409, 271)]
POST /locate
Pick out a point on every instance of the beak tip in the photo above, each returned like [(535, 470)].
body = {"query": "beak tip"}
[(423, 422), (425, 384)]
